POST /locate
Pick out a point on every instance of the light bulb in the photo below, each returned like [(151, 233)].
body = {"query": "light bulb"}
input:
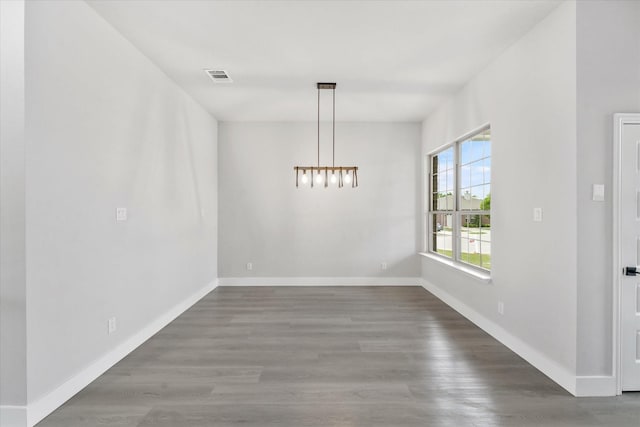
[(347, 178), (319, 178), (334, 178), (305, 178)]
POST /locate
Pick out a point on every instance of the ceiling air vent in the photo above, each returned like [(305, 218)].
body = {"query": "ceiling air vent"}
[(219, 76)]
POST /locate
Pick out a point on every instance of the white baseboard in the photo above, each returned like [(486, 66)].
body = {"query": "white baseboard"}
[(592, 386), (42, 407), (547, 366), (13, 416), (320, 281)]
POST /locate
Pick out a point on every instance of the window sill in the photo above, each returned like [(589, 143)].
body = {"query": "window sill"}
[(472, 272)]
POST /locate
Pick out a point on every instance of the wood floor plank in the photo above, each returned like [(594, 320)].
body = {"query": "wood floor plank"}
[(329, 356)]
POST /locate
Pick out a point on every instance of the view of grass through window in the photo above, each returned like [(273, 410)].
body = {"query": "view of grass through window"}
[(460, 201)]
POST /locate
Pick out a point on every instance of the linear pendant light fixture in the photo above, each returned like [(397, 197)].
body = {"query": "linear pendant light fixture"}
[(340, 175)]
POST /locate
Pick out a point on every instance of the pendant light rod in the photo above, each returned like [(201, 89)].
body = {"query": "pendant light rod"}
[(318, 125), (334, 125), (331, 86)]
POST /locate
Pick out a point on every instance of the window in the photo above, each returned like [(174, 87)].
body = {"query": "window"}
[(459, 208)]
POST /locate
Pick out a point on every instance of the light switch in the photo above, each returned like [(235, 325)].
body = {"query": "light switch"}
[(121, 214), (598, 193), (537, 214)]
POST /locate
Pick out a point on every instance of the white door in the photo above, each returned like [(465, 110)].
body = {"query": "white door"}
[(630, 253)]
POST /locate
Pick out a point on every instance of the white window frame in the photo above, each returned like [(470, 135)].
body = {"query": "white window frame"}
[(456, 212)]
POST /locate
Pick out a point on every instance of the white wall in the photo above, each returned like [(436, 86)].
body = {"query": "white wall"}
[(13, 316), (304, 232), (105, 129), (528, 96), (608, 66)]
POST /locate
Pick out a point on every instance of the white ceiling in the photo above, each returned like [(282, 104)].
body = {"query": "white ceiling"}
[(392, 60)]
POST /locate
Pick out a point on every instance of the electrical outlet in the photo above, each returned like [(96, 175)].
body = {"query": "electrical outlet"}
[(112, 325), (121, 214), (537, 214), (500, 307), (202, 213), (383, 265), (249, 266)]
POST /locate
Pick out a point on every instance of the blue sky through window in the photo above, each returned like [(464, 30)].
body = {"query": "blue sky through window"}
[(475, 169)]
